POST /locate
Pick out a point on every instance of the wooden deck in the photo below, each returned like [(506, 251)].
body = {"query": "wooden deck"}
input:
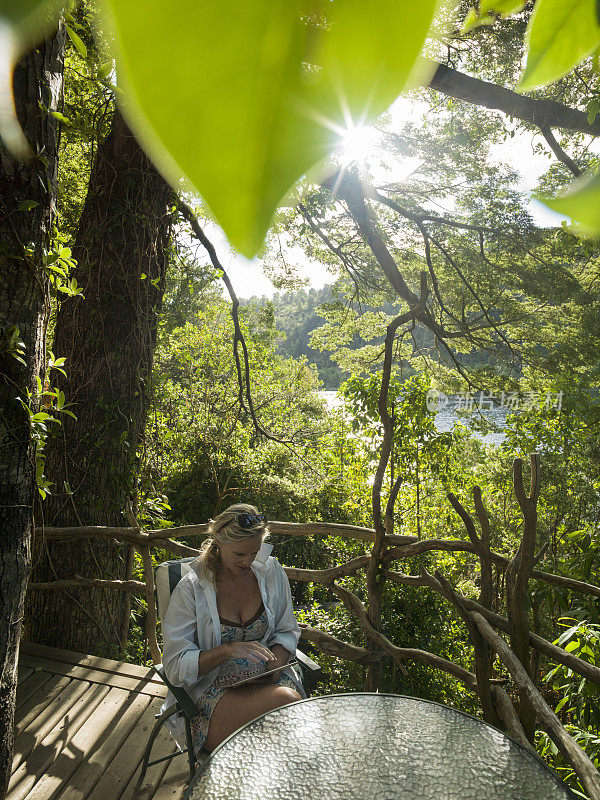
[(81, 726)]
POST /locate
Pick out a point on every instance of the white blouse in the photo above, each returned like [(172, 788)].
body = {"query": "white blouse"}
[(192, 624)]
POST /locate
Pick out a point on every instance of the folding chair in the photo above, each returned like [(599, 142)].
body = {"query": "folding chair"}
[(166, 577)]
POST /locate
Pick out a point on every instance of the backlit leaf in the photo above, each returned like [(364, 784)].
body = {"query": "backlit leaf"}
[(482, 16), (104, 70), (561, 703), (503, 7), (560, 34), (241, 99), (27, 205), (31, 19), (581, 202), (76, 39), (23, 23), (61, 117)]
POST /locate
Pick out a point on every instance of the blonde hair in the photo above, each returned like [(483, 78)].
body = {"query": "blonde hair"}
[(226, 528)]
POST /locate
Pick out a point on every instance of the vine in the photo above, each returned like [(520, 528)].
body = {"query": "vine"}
[(50, 401)]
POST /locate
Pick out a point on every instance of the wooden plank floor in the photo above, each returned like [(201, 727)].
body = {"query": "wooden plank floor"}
[(81, 726)]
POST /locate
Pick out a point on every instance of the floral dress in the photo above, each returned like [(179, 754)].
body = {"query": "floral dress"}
[(232, 671)]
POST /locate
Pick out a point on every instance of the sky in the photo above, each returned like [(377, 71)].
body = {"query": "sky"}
[(248, 277)]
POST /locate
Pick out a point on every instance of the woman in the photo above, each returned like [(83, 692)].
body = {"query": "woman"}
[(229, 618)]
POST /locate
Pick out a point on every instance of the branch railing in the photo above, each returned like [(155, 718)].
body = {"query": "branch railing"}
[(147, 540)]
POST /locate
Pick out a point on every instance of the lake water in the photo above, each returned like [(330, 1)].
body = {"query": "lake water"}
[(456, 408)]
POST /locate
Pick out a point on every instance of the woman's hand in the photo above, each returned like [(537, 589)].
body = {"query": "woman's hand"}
[(252, 651), (282, 656)]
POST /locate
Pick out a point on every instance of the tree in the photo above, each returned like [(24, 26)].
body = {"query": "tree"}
[(107, 336), (27, 203)]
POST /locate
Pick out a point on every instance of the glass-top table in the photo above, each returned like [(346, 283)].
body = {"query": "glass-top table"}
[(372, 747)]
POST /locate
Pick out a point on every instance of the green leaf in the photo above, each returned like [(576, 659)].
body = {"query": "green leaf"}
[(53, 268), (566, 635), (561, 703), (587, 542), (104, 70), (503, 7), (241, 122), (113, 87), (560, 34), (581, 202), (27, 205), (471, 20), (77, 43), (23, 23), (31, 20), (60, 117)]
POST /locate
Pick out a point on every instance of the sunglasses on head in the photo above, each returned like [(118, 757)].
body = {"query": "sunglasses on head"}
[(250, 520)]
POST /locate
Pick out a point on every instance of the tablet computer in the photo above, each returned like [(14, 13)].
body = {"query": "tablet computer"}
[(260, 675)]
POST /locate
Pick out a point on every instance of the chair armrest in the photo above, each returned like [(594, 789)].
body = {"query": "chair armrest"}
[(311, 671), (184, 701), (309, 664)]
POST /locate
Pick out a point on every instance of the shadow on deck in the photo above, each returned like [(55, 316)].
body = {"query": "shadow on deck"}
[(81, 726)]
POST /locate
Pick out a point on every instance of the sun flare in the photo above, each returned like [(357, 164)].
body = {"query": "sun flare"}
[(358, 144)]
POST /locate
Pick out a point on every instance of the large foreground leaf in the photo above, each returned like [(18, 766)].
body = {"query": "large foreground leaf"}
[(240, 99), (30, 20), (581, 202), (23, 23), (559, 35)]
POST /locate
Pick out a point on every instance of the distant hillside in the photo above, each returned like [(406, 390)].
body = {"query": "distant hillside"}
[(296, 316)]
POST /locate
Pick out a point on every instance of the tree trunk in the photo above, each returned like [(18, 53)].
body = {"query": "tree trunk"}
[(108, 340), (24, 233)]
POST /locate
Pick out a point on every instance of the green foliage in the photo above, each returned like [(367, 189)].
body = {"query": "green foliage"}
[(578, 707), (11, 343), (284, 80), (567, 440), (581, 201), (300, 315), (202, 445), (484, 15), (40, 409), (579, 697), (23, 23), (559, 35), (58, 262), (87, 106)]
